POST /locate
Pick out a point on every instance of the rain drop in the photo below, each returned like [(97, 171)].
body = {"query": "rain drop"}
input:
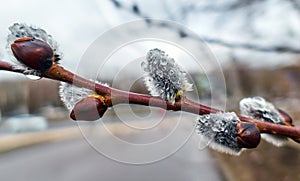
[(171, 72), (163, 61), (159, 73)]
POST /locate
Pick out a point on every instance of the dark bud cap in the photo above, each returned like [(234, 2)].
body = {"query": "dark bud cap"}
[(33, 53), (89, 109), (248, 135), (288, 121)]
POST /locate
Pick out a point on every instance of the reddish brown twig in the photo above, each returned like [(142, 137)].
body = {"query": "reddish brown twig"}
[(11, 68), (115, 96)]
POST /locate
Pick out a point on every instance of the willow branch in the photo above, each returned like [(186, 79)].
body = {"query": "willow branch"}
[(115, 96)]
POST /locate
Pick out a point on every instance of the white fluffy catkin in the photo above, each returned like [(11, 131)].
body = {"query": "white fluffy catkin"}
[(258, 108), (163, 77), (219, 130)]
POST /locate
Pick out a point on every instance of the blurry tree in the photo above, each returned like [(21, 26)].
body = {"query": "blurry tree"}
[(260, 25)]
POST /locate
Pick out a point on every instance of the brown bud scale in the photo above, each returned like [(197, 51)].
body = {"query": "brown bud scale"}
[(33, 53), (90, 109), (248, 135)]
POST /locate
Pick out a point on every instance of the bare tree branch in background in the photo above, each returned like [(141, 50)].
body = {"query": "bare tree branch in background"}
[(188, 8), (296, 4)]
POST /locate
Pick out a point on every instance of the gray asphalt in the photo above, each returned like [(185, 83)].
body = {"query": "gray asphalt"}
[(75, 160)]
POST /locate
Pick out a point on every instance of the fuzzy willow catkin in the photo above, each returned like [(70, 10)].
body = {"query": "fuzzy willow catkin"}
[(258, 108), (164, 77), (32, 48), (220, 131)]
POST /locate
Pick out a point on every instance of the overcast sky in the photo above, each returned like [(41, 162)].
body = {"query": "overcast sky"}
[(75, 24)]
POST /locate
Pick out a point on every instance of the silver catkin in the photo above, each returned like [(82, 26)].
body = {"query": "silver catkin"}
[(163, 76), (220, 131), (258, 108)]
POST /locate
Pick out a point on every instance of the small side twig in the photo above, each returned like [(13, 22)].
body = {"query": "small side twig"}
[(11, 68)]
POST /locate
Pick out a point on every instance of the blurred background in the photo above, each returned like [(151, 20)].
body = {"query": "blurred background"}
[(256, 43)]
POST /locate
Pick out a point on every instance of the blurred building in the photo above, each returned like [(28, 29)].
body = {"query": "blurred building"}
[(27, 96)]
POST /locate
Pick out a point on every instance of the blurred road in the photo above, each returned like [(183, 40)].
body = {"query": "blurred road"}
[(75, 160)]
